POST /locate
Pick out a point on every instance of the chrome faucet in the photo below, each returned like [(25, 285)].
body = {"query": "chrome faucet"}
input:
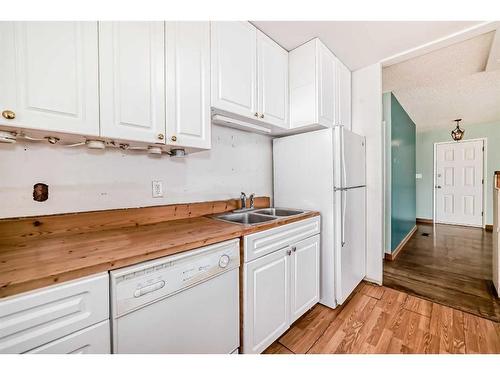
[(243, 200)]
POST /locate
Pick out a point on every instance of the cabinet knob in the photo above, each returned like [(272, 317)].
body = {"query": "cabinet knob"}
[(262, 115), (8, 114), (173, 138), (256, 114), (289, 252), (294, 249), (161, 136)]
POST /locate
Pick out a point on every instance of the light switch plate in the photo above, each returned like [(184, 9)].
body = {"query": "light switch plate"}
[(418, 176), (157, 189)]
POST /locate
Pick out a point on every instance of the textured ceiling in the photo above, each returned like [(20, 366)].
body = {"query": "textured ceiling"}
[(361, 43), (449, 83)]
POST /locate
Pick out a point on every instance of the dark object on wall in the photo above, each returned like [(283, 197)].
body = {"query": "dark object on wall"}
[(457, 133), (40, 192)]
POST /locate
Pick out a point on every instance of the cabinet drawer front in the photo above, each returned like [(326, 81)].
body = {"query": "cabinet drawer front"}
[(265, 242), (33, 319), (92, 340)]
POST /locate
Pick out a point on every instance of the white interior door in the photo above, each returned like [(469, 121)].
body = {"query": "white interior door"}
[(459, 183)]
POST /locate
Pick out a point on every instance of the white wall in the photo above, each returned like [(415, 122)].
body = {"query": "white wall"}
[(83, 180), (367, 120)]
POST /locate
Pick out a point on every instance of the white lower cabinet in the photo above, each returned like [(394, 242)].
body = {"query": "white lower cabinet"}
[(53, 314), (267, 297), (92, 340), (304, 288), (280, 286)]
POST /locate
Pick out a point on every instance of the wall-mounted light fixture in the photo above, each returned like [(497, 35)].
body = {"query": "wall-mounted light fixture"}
[(457, 133)]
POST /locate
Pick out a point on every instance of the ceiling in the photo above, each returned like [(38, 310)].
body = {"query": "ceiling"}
[(361, 43), (459, 81)]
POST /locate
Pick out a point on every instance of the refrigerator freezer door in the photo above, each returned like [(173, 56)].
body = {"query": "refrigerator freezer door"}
[(350, 259), (353, 159)]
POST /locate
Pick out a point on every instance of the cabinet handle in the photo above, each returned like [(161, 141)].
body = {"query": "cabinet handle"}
[(256, 114), (161, 136), (289, 252), (294, 249), (8, 114), (262, 115), (173, 138)]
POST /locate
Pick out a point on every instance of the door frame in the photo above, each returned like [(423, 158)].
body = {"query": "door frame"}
[(485, 176)]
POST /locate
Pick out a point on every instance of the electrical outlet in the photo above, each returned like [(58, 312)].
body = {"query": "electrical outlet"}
[(157, 189)]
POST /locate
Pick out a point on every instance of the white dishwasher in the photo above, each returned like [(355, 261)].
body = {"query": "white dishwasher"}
[(185, 303)]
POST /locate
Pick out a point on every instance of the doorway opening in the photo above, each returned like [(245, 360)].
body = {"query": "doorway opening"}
[(440, 216)]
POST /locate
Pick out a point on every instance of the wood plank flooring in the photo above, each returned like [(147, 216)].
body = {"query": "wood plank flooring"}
[(451, 266), (383, 320)]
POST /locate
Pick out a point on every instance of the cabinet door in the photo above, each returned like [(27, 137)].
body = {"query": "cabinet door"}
[(92, 340), (266, 300), (327, 90), (344, 95), (49, 76), (304, 277), (272, 73), (188, 84), (234, 72), (132, 66)]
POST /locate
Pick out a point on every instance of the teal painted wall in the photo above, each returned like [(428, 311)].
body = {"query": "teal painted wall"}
[(403, 167), (425, 160)]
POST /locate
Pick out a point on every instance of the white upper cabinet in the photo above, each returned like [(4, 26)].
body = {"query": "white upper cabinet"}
[(344, 95), (272, 73), (188, 84), (132, 76), (313, 86), (49, 76), (234, 73), (327, 85)]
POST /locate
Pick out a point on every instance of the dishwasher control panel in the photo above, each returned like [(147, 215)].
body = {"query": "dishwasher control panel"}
[(135, 286)]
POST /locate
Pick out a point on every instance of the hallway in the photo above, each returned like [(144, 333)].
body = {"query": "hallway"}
[(447, 264)]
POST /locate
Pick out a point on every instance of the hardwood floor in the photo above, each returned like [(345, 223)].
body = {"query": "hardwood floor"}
[(451, 266), (383, 320)]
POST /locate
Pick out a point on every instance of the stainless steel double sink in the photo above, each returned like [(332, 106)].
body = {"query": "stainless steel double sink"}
[(258, 216)]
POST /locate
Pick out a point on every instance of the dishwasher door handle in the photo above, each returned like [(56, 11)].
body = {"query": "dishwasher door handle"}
[(149, 289)]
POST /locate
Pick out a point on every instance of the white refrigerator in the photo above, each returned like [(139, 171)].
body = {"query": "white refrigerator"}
[(325, 171)]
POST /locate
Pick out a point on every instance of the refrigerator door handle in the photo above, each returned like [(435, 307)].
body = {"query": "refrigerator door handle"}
[(343, 209), (354, 187)]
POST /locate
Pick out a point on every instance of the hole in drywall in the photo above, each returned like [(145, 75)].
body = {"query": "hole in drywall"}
[(40, 192)]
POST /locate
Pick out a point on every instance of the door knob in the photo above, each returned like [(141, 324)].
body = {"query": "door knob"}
[(160, 136), (173, 138), (8, 114)]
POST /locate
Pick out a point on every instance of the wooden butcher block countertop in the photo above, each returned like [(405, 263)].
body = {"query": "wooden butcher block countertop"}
[(64, 248)]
